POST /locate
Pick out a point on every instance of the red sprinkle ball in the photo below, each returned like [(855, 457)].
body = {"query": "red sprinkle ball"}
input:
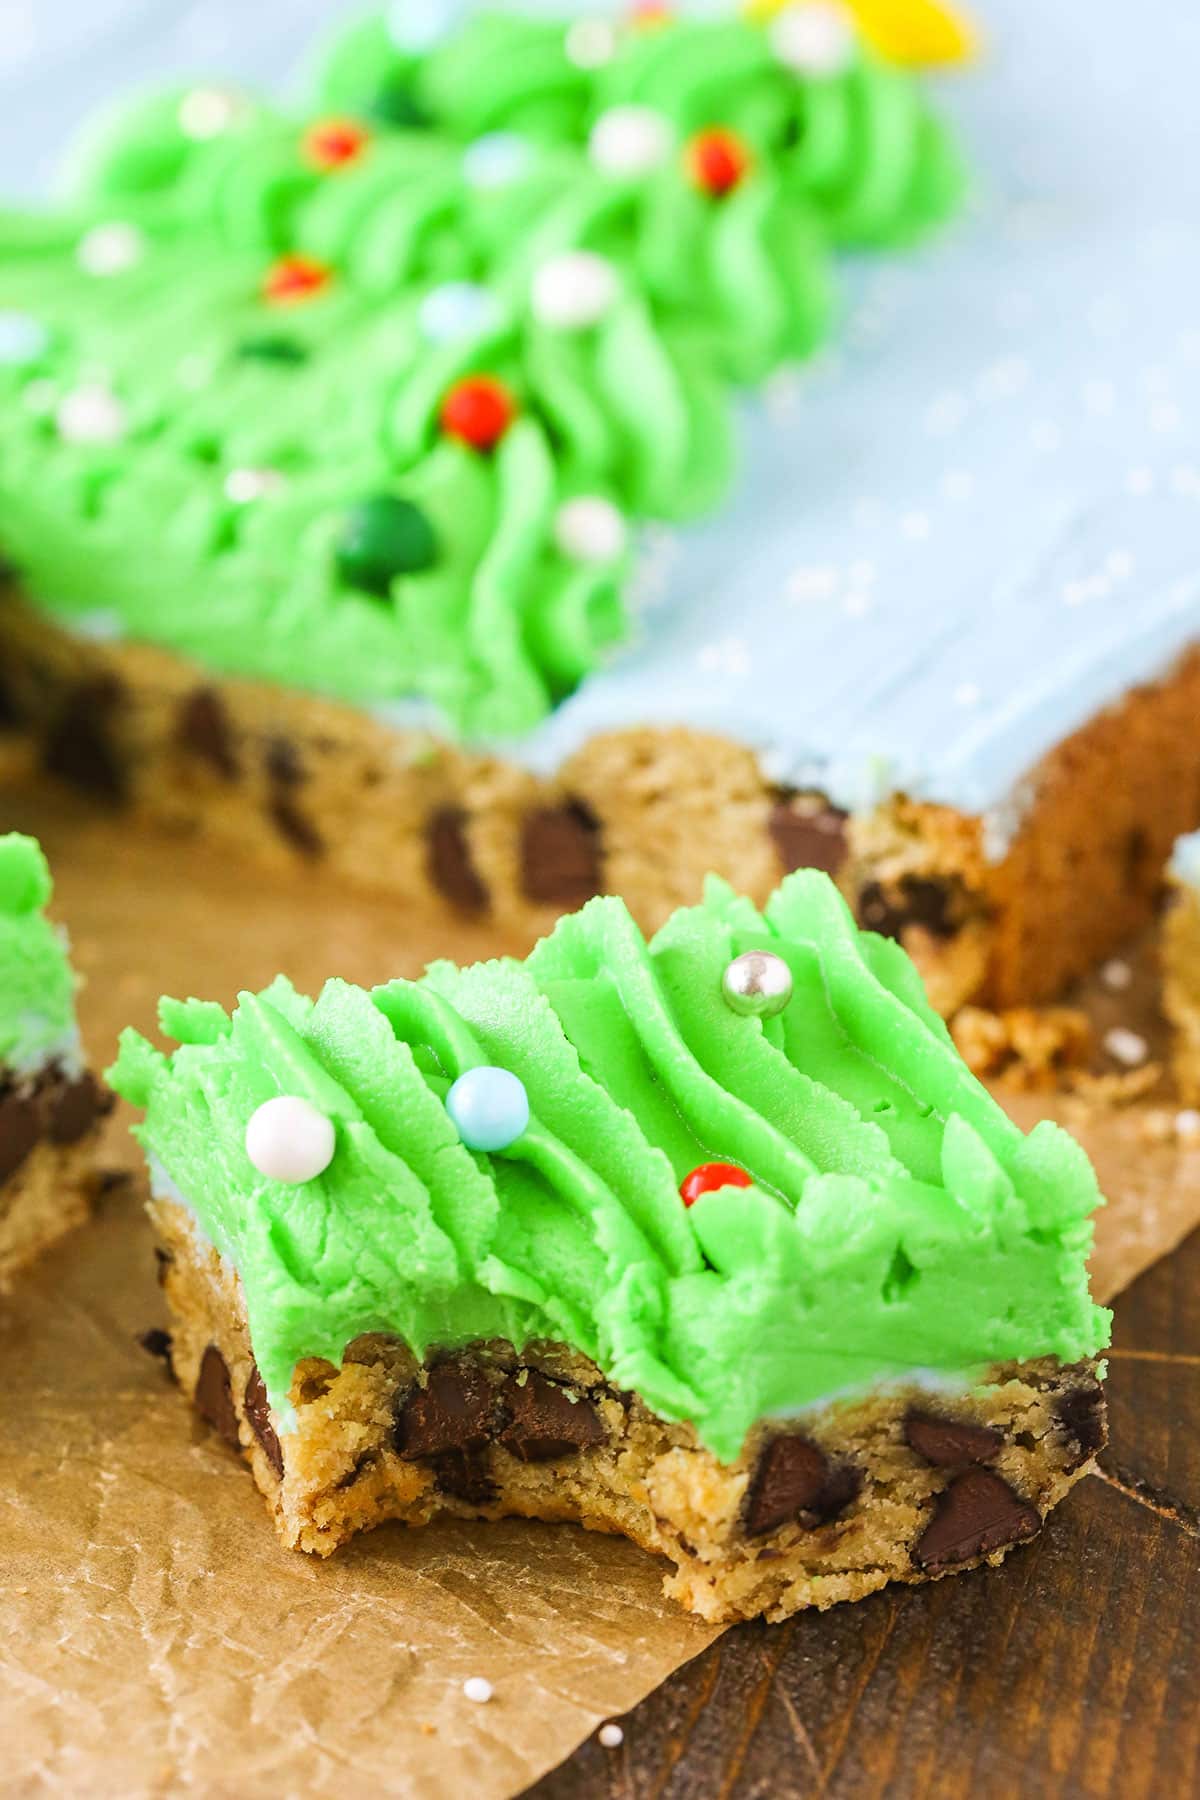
[(295, 278), (717, 160), (332, 143), (710, 1176), (478, 410)]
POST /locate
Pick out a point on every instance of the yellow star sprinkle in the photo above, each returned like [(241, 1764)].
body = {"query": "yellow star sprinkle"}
[(916, 33)]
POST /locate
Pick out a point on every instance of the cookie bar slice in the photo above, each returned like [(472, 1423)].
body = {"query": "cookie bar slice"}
[(50, 1106), (714, 1242), (1181, 964)]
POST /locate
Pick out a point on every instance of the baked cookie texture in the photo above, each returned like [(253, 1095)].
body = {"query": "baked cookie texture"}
[(713, 1241), (285, 778), (50, 1105), (1181, 964)]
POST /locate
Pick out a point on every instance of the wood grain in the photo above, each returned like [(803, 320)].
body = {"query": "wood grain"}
[(1070, 1672)]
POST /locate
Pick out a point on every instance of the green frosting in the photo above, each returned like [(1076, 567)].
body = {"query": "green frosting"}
[(37, 988), (860, 147), (187, 459), (897, 1220)]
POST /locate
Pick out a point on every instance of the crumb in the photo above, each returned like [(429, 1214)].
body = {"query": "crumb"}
[(1116, 975), (1116, 1089), (1029, 1047), (478, 1689), (427, 1729), (611, 1736)]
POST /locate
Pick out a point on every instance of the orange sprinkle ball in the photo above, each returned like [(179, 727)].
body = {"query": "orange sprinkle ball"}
[(717, 160), (333, 143), (478, 410), (650, 15), (709, 1177), (295, 278)]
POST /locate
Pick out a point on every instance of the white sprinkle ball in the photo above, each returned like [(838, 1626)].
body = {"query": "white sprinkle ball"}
[(110, 249), (1116, 975), (1126, 1047), (288, 1140), (590, 529), (591, 43), (90, 415), (630, 140), (244, 485), (574, 291), (813, 38), (478, 1688), (611, 1736), (206, 112)]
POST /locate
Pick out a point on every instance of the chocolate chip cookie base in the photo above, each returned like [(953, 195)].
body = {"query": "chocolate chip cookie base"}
[(907, 1484), (48, 1177), (1181, 988), (646, 814)]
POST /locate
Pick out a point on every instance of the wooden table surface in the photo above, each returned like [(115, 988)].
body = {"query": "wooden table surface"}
[(1073, 1670)]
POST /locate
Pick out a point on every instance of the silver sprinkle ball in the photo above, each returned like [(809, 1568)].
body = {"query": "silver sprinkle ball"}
[(757, 984)]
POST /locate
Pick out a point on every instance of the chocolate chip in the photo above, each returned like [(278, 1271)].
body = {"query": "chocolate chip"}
[(295, 826), (560, 854), (214, 1396), (203, 728), (164, 1261), (976, 1514), (282, 763), (286, 772), (449, 863), (157, 1342), (809, 835), (1083, 1418), (79, 747), (949, 1443), (258, 1414), (544, 1422), (920, 902), (464, 1476), (73, 1109), (453, 1411), (19, 1130), (795, 1480)]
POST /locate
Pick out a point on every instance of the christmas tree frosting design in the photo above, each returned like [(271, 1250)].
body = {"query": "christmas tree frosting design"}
[(742, 1167), (373, 402)]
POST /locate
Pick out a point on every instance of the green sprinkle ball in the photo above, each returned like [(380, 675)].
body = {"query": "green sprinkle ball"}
[(384, 536)]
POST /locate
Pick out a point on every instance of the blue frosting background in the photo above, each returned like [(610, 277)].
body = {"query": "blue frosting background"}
[(975, 521)]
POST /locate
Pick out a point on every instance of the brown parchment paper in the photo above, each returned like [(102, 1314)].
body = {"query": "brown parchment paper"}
[(154, 1640)]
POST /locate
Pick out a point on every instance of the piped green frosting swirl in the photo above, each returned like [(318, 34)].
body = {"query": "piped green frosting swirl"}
[(897, 1221), (860, 147), (180, 454), (37, 988)]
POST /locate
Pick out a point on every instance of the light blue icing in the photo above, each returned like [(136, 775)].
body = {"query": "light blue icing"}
[(978, 522), (973, 525), (1185, 862)]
